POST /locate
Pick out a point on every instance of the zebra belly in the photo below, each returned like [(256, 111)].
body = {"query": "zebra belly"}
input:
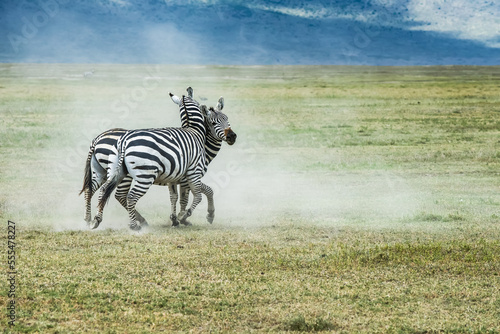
[(164, 180), (161, 169)]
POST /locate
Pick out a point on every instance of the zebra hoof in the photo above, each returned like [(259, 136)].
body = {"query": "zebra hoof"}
[(184, 218), (142, 222), (174, 220), (94, 224), (135, 227), (211, 216)]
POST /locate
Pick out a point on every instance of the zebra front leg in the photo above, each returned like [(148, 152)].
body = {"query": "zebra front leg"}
[(173, 204), (208, 192), (121, 196), (137, 190)]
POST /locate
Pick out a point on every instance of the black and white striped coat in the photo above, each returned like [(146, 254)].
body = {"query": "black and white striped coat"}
[(218, 130), (159, 156), (104, 146)]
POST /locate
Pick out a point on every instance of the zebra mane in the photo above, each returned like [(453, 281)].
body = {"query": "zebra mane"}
[(183, 106), (191, 115)]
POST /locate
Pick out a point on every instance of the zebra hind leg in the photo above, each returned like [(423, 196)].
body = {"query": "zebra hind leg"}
[(97, 176), (121, 196), (208, 192), (88, 205), (100, 207), (195, 187), (97, 181), (97, 218), (137, 190)]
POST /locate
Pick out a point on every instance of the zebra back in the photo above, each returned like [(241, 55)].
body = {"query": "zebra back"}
[(177, 148)]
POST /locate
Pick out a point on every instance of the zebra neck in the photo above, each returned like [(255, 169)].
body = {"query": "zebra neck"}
[(191, 117), (212, 147), (184, 121)]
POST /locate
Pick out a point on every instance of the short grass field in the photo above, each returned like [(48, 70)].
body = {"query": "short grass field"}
[(355, 200)]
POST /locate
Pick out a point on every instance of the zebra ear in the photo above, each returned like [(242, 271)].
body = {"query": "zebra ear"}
[(205, 111), (190, 91), (175, 98), (220, 103)]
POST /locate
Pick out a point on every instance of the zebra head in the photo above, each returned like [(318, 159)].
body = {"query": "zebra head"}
[(217, 123)]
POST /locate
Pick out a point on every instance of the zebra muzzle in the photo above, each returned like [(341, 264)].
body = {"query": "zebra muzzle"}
[(230, 136)]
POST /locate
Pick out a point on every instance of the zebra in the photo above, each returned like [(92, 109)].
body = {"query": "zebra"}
[(218, 130), (104, 145), (160, 156), (213, 142)]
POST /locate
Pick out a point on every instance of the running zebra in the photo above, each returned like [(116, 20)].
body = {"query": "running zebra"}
[(104, 146), (214, 137), (160, 156)]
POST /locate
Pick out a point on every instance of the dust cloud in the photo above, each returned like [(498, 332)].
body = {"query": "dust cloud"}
[(252, 189), (254, 185), (259, 190)]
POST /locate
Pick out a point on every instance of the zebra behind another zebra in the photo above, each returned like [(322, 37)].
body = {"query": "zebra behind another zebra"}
[(213, 144), (101, 149)]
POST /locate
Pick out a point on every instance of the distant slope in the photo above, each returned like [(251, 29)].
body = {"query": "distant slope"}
[(230, 32)]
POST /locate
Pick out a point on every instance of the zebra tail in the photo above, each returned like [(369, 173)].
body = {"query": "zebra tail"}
[(87, 178), (108, 190), (115, 176)]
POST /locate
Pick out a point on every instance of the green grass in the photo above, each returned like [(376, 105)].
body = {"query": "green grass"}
[(286, 277), (366, 200)]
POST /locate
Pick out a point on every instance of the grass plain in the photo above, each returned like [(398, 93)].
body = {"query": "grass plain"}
[(356, 199)]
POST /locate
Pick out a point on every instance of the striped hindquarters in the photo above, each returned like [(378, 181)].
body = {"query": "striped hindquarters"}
[(105, 146), (100, 148)]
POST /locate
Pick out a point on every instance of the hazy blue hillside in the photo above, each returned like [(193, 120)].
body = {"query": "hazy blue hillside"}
[(227, 32)]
